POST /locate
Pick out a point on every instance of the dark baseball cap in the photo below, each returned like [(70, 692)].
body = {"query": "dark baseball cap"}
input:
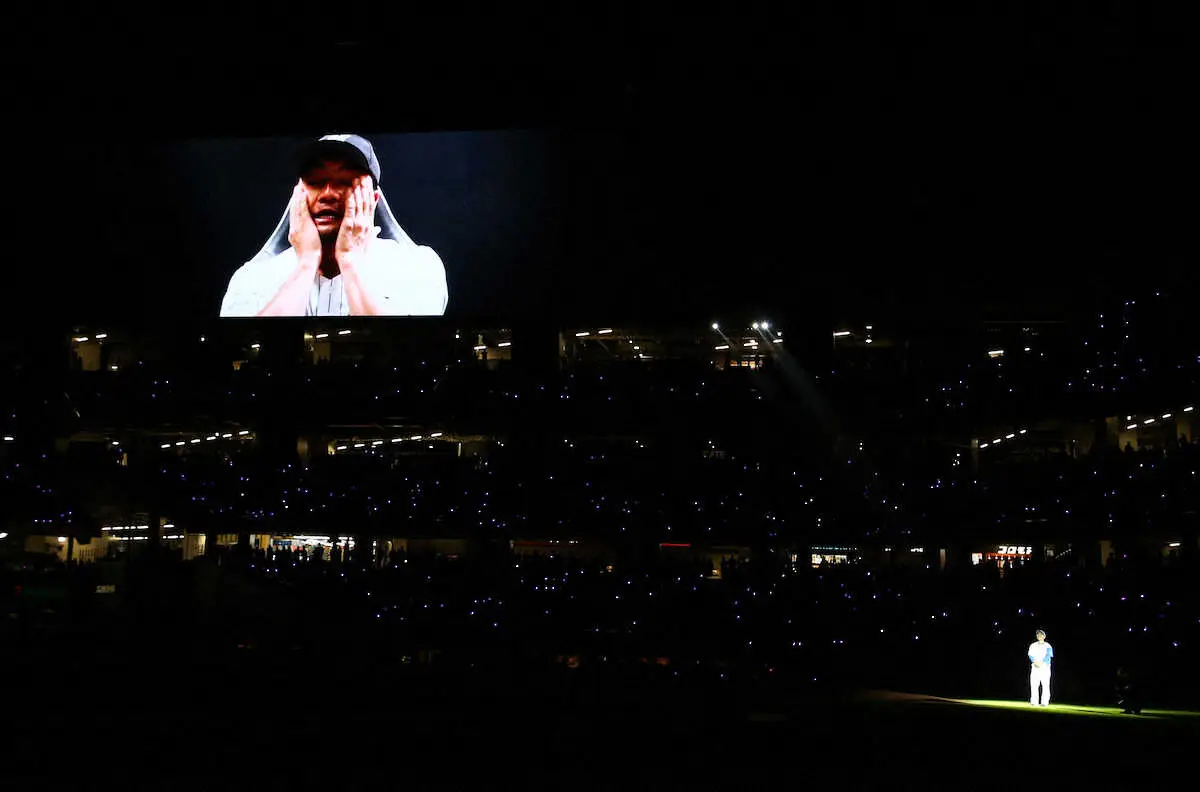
[(353, 148)]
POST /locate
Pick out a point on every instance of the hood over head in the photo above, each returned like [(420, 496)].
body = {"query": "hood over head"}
[(360, 151)]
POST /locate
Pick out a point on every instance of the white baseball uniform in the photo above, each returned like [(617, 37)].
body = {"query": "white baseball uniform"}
[(408, 280), (1040, 652)]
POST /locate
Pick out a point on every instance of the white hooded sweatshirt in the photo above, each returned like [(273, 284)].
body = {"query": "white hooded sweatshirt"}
[(410, 279)]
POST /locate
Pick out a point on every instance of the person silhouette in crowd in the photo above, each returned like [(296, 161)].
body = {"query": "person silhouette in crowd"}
[(1128, 694)]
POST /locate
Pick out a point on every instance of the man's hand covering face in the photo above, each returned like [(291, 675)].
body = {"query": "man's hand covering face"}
[(358, 224), (302, 231)]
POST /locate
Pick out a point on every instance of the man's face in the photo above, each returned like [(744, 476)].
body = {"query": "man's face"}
[(1041, 637), (328, 183)]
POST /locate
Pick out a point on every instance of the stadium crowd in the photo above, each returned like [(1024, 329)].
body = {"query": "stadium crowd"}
[(683, 501)]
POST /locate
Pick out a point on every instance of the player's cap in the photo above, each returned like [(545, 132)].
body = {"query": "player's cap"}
[(1041, 633), (355, 148)]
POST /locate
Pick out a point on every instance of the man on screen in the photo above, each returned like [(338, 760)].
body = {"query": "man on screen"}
[(1040, 655), (327, 256)]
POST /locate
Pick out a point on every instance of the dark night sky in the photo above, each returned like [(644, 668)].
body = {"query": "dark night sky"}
[(1015, 161)]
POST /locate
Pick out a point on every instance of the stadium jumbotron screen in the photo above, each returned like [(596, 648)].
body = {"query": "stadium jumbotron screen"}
[(457, 224)]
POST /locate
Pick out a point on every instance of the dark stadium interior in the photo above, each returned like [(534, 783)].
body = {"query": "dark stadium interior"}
[(821, 359)]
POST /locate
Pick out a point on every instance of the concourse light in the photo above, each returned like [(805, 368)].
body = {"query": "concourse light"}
[(81, 339), (984, 445), (255, 346), (480, 347), (1166, 416), (343, 332), (165, 445), (995, 352), (1148, 421), (841, 333), (179, 443), (113, 368), (436, 434), (755, 325), (116, 442), (721, 346), (62, 538), (100, 336), (211, 437), (1009, 436), (415, 437), (605, 331), (227, 435), (397, 439), (321, 335), (1132, 426), (869, 327), (3, 534), (504, 344), (778, 340), (1023, 431), (359, 445), (581, 335), (8, 438), (868, 341), (196, 440), (244, 432), (716, 326), (377, 442), (998, 440), (1171, 544), (340, 448), (1187, 409), (766, 325)]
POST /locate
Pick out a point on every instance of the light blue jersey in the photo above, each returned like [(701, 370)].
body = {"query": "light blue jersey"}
[(1041, 652)]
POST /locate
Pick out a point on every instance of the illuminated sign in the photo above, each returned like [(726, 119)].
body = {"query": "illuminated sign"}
[(1019, 550)]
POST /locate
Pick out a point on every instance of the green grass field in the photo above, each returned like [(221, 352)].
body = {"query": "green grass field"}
[(1074, 709), (1055, 709), (615, 739)]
